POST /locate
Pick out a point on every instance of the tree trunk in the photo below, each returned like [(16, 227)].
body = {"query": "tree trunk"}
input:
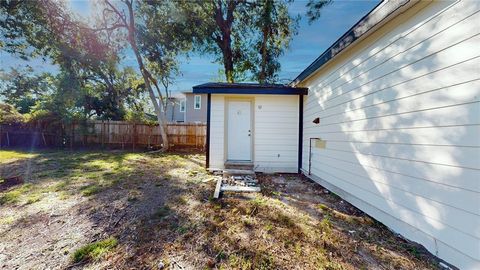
[(266, 24), (263, 65), (228, 59), (225, 41), (158, 105)]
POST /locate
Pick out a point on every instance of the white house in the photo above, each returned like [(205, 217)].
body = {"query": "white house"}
[(391, 123)]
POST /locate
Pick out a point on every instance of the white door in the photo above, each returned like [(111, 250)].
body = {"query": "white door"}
[(239, 131)]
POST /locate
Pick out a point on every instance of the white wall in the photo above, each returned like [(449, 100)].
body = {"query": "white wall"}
[(275, 132), (400, 112), (217, 131)]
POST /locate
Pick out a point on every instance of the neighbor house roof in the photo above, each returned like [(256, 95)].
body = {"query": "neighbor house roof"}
[(248, 88), (379, 15)]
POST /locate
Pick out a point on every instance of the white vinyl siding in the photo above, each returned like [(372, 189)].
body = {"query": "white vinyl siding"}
[(217, 131), (276, 133), (400, 114)]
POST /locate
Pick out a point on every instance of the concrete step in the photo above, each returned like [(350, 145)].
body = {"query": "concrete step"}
[(229, 172), (239, 165)]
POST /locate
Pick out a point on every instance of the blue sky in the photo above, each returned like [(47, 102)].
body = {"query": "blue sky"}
[(305, 47)]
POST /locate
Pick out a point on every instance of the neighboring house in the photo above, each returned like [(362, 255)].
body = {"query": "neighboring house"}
[(175, 108), (195, 107), (391, 123)]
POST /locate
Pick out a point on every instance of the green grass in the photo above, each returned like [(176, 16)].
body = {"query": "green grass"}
[(90, 190), (12, 155), (13, 196), (33, 198), (94, 251)]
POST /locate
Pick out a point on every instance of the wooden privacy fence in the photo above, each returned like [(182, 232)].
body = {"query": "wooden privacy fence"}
[(109, 134)]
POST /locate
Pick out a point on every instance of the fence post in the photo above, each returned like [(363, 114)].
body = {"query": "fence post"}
[(133, 136)]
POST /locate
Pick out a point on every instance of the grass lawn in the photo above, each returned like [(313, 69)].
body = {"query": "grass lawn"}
[(104, 210)]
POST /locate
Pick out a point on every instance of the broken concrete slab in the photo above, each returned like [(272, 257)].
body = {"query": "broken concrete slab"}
[(239, 188)]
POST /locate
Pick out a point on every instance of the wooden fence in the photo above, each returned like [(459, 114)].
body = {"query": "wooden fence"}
[(106, 134)]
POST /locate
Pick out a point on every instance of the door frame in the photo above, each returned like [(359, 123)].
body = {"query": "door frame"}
[(252, 126)]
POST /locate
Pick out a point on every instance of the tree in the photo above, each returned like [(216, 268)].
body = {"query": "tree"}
[(8, 114), (124, 19), (314, 8), (22, 87), (246, 37), (277, 28), (89, 80), (223, 30)]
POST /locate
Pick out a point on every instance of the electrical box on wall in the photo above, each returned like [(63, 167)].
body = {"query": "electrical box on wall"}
[(319, 143)]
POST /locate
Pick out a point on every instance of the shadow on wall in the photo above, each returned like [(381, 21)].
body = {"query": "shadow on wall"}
[(402, 123)]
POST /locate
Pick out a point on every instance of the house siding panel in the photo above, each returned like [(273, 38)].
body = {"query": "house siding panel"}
[(193, 115), (400, 114), (217, 130), (276, 133)]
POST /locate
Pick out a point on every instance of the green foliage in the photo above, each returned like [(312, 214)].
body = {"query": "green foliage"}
[(95, 250), (276, 28), (314, 8), (9, 115)]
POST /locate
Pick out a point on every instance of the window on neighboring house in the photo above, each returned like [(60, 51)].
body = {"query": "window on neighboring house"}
[(182, 105), (197, 104)]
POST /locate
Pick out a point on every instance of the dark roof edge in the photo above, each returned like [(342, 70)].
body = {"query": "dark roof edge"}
[(242, 90), (362, 27)]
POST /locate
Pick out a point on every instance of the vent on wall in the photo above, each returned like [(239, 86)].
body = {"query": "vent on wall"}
[(316, 120)]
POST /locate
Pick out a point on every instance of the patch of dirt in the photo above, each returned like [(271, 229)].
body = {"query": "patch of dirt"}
[(160, 209)]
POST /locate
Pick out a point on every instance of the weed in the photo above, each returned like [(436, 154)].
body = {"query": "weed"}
[(183, 229), (285, 221), (239, 262), (326, 229), (33, 198), (268, 227), (63, 195), (94, 250), (90, 190), (323, 207), (181, 200), (13, 196), (60, 186), (247, 222), (162, 212), (7, 220), (133, 196), (264, 261)]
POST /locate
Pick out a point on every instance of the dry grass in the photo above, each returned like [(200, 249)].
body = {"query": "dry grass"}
[(158, 210)]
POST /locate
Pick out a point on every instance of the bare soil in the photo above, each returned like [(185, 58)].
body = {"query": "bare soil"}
[(160, 209)]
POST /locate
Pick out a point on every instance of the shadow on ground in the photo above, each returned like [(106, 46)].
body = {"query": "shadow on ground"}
[(159, 209)]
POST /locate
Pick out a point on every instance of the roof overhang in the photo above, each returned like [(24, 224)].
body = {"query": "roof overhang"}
[(248, 89), (378, 16)]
